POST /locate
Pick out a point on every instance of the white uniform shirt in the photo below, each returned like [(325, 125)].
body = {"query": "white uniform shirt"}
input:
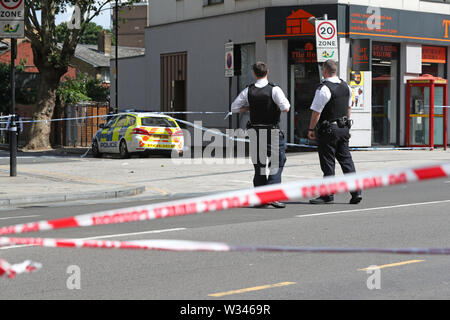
[(323, 96), (241, 102)]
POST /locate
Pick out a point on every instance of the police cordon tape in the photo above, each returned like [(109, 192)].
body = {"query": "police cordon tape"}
[(204, 246), (242, 198), (216, 202), (11, 270), (112, 115), (298, 145)]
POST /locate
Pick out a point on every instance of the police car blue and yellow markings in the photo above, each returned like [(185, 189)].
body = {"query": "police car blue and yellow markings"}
[(148, 137)]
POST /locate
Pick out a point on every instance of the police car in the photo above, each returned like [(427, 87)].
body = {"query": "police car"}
[(138, 132)]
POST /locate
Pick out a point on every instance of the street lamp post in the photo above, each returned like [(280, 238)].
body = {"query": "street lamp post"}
[(116, 92)]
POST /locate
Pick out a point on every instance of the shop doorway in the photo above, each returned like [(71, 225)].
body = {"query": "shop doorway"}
[(304, 79), (385, 104)]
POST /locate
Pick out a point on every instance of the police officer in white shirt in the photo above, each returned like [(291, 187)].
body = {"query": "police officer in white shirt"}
[(330, 124), (265, 101)]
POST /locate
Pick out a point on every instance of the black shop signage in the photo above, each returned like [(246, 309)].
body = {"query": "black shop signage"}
[(361, 54), (292, 22), (381, 24)]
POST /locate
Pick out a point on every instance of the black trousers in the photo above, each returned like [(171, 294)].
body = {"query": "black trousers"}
[(334, 147), (268, 151)]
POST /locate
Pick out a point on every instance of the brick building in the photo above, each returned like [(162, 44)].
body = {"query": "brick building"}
[(132, 23)]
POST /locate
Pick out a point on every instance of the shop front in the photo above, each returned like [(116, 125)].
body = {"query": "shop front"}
[(395, 44)]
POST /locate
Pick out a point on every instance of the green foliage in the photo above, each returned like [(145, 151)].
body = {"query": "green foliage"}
[(82, 89), (90, 34), (96, 91)]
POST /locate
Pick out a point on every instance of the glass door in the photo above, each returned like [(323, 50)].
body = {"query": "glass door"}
[(385, 71), (439, 115), (419, 116)]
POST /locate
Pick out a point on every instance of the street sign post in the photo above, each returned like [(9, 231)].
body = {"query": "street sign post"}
[(326, 40), (12, 16), (12, 25), (229, 73), (229, 59)]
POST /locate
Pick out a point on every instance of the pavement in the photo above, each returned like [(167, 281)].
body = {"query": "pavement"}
[(64, 174)]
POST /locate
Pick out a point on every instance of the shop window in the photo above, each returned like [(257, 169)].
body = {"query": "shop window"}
[(210, 2), (304, 79), (248, 59), (434, 61)]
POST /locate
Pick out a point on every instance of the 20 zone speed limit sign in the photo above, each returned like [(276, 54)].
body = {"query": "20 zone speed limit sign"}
[(326, 35), (326, 40)]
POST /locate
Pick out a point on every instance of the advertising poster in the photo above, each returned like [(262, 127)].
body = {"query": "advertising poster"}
[(357, 84)]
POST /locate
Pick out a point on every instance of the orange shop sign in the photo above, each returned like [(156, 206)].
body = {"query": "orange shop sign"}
[(434, 54)]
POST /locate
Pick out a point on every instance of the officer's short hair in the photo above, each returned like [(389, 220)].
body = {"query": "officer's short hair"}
[(330, 66), (260, 69)]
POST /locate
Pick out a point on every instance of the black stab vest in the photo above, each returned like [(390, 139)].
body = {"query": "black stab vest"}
[(263, 110), (337, 107)]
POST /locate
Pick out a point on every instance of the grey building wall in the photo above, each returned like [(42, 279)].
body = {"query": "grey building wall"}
[(204, 40), (133, 92)]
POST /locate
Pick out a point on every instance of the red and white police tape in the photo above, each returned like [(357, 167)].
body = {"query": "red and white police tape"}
[(184, 245), (242, 198), (221, 201), (11, 270)]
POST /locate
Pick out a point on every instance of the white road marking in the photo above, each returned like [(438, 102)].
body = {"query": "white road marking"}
[(19, 217), (240, 181), (373, 209), (447, 181), (292, 176), (103, 237)]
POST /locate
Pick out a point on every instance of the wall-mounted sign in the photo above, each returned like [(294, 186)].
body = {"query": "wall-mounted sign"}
[(229, 59), (288, 22), (307, 54), (383, 51), (12, 16), (434, 54), (357, 84), (326, 40), (361, 55), (398, 25)]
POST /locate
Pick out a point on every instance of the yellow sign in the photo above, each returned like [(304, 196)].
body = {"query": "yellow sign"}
[(357, 84)]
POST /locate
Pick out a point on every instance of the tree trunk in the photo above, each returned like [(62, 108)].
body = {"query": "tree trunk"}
[(40, 131)]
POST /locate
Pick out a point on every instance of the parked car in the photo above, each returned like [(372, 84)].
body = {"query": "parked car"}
[(138, 133)]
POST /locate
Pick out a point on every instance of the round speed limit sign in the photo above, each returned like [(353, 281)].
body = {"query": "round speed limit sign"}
[(326, 34), (11, 4)]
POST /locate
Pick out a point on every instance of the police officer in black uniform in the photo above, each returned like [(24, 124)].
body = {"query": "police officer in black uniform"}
[(330, 124), (265, 101)]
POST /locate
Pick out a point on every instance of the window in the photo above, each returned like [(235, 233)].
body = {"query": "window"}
[(209, 2), (105, 75), (131, 121), (111, 121), (157, 122), (123, 122)]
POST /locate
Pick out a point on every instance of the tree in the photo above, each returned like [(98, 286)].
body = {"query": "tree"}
[(53, 61), (83, 88), (89, 36)]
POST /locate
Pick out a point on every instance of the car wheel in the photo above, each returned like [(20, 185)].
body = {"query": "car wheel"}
[(123, 150), (95, 151)]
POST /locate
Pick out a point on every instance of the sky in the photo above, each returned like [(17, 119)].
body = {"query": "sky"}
[(103, 19)]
